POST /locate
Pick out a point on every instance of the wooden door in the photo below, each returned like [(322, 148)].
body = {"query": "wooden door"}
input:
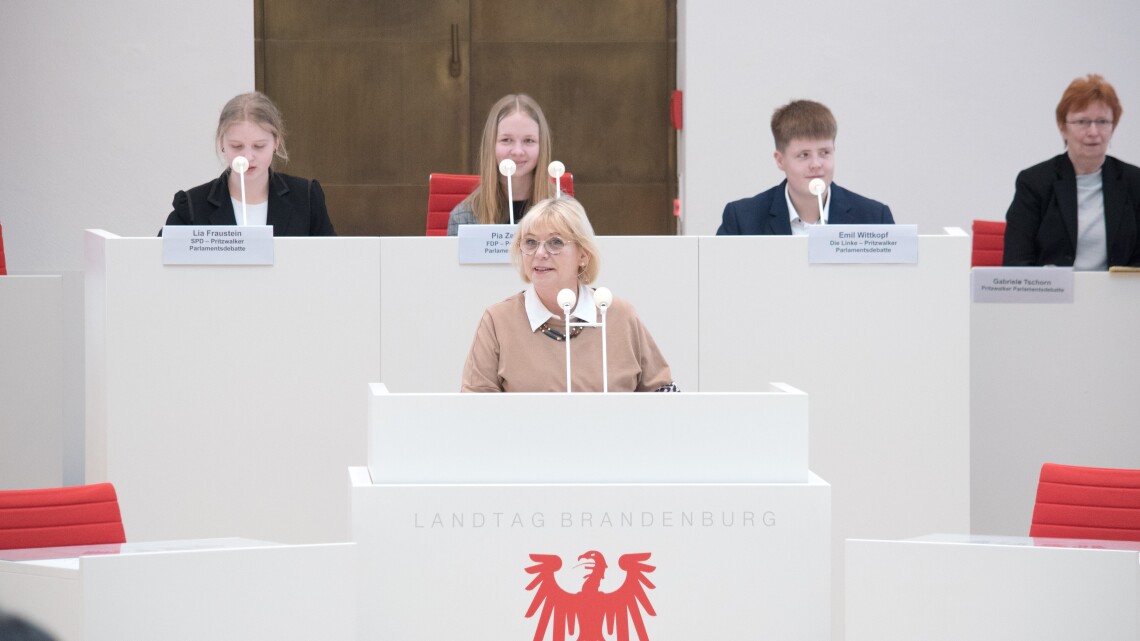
[(378, 94)]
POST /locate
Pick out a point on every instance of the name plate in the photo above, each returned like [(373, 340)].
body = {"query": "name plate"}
[(217, 245), (486, 243), (863, 244), (1022, 284)]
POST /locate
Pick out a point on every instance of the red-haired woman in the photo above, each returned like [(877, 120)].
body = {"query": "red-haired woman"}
[(1081, 208)]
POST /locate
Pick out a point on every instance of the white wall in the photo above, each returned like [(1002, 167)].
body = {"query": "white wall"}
[(939, 104), (108, 108)]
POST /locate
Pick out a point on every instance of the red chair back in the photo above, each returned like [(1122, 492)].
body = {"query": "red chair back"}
[(988, 244), (1087, 503), (445, 191), (56, 517), (3, 267)]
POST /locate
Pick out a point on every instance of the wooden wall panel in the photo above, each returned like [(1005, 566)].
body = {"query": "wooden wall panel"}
[(539, 21), (373, 103)]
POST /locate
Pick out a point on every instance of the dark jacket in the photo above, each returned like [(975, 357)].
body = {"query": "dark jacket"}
[(766, 214), (296, 206), (1041, 224)]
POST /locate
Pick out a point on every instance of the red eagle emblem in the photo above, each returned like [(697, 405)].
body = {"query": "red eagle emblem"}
[(590, 608)]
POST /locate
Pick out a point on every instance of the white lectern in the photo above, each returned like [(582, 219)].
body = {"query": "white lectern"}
[(704, 499), (219, 589)]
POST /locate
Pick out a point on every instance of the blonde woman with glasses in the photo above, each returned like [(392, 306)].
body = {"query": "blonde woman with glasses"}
[(520, 343)]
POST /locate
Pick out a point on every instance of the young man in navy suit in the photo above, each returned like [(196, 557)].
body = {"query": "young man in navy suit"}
[(805, 150)]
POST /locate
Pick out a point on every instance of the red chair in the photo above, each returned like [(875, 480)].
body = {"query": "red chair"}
[(57, 517), (3, 268), (988, 244), (1087, 503), (445, 191)]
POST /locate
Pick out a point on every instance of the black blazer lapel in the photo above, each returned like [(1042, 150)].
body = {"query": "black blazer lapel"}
[(280, 205), (778, 216), (839, 209), (1065, 191), (1115, 208), (220, 208)]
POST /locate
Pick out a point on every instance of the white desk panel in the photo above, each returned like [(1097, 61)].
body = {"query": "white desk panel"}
[(224, 589), (948, 588), (1051, 383), (227, 400), (32, 390), (883, 352)]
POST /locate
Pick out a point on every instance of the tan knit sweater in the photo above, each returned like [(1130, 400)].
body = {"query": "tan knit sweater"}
[(506, 356)]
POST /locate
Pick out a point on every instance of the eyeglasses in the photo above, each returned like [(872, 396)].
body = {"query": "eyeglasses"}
[(1085, 123), (554, 246)]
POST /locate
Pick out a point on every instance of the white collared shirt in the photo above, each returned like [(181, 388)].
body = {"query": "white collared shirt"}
[(799, 227), (537, 313)]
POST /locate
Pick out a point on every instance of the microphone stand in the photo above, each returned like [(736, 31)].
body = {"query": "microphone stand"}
[(603, 298)]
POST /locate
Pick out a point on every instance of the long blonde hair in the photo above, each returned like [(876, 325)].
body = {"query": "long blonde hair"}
[(257, 108), (489, 200)]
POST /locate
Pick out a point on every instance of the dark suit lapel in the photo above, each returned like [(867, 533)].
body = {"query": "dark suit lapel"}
[(1112, 178), (839, 209), (779, 223), (1065, 191), (279, 204), (221, 207)]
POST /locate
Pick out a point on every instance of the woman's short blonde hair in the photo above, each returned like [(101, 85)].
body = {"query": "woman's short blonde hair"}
[(567, 218)]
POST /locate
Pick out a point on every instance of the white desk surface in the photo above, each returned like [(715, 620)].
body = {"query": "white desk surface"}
[(68, 556)]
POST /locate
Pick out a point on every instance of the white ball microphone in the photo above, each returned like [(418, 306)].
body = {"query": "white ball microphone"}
[(240, 164), (566, 299), (556, 169), (507, 168), (604, 298), (817, 187)]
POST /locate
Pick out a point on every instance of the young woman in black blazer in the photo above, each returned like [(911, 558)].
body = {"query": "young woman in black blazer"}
[(251, 126)]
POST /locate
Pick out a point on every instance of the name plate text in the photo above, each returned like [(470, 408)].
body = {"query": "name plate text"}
[(863, 244), (486, 243), (217, 245), (1022, 284)]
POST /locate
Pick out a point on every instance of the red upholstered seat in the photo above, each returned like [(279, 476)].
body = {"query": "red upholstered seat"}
[(445, 191), (1087, 503), (55, 517), (3, 265), (988, 244)]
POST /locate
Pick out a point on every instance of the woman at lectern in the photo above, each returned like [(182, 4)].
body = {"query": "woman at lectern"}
[(515, 129), (1081, 208), (520, 344), (251, 127)]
